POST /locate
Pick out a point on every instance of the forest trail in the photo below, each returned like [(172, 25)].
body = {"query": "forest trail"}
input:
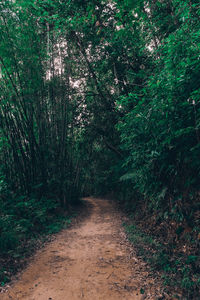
[(90, 261)]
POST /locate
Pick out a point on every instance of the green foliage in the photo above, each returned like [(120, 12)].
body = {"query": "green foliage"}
[(8, 241), (99, 98), (160, 128), (177, 270), (22, 223)]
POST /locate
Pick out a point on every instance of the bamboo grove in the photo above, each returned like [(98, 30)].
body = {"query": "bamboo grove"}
[(99, 97)]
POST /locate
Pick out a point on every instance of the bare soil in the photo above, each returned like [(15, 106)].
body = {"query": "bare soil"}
[(92, 261)]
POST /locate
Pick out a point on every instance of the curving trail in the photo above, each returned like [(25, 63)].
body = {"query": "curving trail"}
[(89, 261)]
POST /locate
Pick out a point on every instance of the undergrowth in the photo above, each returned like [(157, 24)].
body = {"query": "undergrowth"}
[(24, 227), (179, 270)]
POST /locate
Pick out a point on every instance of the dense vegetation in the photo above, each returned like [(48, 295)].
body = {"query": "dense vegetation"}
[(102, 97)]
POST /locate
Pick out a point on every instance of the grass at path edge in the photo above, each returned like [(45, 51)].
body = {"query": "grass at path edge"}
[(15, 259), (175, 269)]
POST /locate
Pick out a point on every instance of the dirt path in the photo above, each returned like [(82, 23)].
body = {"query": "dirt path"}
[(90, 261)]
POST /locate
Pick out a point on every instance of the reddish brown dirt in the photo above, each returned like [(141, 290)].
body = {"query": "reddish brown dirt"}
[(89, 261)]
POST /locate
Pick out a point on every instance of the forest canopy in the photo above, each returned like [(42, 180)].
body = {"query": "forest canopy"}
[(98, 97)]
